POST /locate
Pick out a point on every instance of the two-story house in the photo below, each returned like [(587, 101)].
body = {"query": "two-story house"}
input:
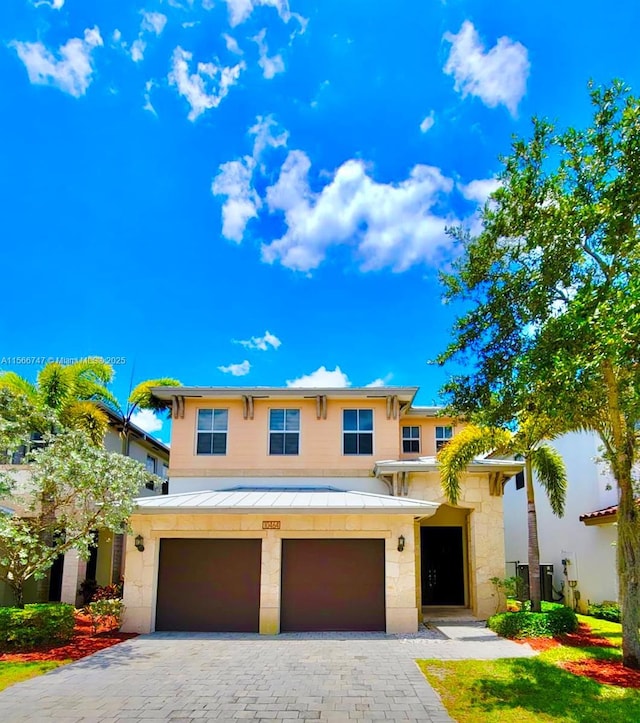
[(310, 509), (106, 562)]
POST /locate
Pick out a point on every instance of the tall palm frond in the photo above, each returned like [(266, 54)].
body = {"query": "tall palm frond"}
[(86, 417), (91, 377), (143, 398), (465, 446), (552, 475), (18, 385), (56, 385)]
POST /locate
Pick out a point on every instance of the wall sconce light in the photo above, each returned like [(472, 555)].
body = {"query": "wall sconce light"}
[(139, 543), (401, 543)]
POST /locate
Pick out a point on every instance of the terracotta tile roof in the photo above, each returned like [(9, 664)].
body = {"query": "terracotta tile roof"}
[(600, 514)]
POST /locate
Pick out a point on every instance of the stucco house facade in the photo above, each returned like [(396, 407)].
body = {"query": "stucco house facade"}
[(310, 509), (584, 538)]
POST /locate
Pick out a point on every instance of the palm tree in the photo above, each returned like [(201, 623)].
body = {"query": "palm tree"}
[(526, 443), (140, 398), (70, 392)]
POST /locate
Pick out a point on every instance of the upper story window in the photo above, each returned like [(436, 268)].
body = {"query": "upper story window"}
[(520, 480), (212, 431), (357, 426), (284, 431), (411, 439), (443, 435), (151, 464)]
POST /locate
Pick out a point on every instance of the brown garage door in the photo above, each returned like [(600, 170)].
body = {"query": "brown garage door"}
[(332, 585), (209, 585)]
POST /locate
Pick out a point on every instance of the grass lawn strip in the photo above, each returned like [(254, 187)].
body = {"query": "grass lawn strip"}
[(542, 688), (11, 673)]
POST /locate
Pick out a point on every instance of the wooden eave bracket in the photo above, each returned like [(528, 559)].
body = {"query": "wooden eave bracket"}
[(497, 481), (177, 407), (247, 406), (321, 406), (393, 407)]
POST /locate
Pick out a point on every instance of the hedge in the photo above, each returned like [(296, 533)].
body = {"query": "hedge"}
[(553, 620), (605, 611), (37, 624)]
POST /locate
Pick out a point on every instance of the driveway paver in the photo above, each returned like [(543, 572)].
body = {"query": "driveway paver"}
[(198, 677)]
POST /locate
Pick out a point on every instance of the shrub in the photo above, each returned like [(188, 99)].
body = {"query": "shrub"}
[(37, 624), (553, 620), (108, 592), (106, 613), (605, 611)]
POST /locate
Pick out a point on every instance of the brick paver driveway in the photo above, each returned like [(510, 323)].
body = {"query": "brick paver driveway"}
[(184, 677)]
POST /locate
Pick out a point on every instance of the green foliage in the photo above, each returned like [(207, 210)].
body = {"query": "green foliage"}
[(605, 611), (106, 612), (38, 624), (553, 620), (551, 291), (141, 396), (73, 489)]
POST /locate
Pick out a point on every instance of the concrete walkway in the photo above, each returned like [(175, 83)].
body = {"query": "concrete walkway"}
[(333, 677)]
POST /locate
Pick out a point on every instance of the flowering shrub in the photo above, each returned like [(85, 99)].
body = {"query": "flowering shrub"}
[(106, 613)]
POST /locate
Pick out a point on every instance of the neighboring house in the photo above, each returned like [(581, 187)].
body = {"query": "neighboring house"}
[(585, 538), (310, 509), (106, 562)]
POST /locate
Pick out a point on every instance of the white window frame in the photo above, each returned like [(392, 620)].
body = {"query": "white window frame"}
[(211, 431), (359, 431), (442, 439), (284, 431), (411, 438)]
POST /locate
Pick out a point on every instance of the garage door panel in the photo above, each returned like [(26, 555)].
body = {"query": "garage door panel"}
[(209, 585), (332, 585)]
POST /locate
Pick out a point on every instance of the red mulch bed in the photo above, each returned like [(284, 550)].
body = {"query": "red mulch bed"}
[(610, 672), (84, 642)]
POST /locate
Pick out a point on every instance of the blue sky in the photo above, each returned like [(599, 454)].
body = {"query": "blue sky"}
[(254, 192)]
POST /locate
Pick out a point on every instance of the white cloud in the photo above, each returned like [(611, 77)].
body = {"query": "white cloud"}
[(240, 10), (380, 381), (147, 420), (232, 44), (116, 36), (391, 224), (153, 22), (261, 342), (137, 50), (428, 122), (205, 88), (479, 190), (264, 136), (271, 66), (53, 4), (71, 72), (148, 105), (242, 204), (237, 370), (498, 76), (322, 377)]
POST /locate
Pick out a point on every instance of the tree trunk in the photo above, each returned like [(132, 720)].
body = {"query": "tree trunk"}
[(533, 547), (629, 573), (17, 588)]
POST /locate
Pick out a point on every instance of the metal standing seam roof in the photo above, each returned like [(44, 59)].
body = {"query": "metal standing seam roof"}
[(301, 499), (430, 464)]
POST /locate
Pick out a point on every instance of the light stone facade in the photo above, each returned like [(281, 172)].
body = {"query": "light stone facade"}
[(402, 611)]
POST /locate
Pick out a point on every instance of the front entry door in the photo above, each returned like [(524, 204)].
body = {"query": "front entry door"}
[(442, 566)]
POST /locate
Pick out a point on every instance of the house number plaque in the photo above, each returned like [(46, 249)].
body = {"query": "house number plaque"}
[(270, 524)]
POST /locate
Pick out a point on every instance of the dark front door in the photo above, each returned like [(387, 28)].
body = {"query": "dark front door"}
[(442, 566), (209, 585), (332, 585)]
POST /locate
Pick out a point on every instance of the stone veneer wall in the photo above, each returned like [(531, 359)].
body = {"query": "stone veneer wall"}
[(485, 534), (141, 568)]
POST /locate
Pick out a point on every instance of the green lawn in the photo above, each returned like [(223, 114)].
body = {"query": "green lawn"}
[(534, 689), (11, 673)]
